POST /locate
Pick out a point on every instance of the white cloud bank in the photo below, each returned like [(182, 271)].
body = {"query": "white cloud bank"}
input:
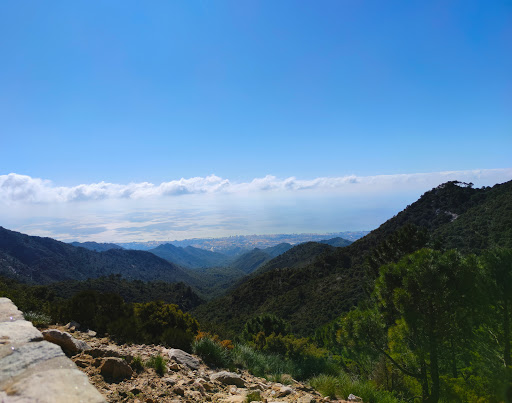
[(15, 188)]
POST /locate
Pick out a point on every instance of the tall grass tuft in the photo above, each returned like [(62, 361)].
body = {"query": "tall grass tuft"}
[(343, 385), (212, 352), (158, 363)]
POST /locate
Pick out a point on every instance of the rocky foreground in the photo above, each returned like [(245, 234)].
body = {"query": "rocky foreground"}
[(185, 379)]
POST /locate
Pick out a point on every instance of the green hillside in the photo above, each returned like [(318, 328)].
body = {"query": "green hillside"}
[(317, 285)]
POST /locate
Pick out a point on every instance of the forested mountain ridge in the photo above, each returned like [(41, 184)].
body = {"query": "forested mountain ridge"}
[(190, 257), (45, 260), (96, 246), (311, 295)]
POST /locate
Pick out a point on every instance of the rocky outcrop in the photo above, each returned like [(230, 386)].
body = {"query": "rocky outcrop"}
[(69, 344), (182, 357), (34, 370), (228, 378)]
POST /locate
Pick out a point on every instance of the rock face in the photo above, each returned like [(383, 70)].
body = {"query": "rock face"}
[(228, 378), (69, 344), (184, 358), (115, 368), (32, 370)]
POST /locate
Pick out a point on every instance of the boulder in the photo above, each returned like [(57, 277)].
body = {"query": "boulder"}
[(115, 368), (228, 378), (184, 358), (69, 344), (284, 391), (354, 398), (73, 325)]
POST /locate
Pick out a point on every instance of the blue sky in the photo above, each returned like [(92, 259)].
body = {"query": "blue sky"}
[(134, 92)]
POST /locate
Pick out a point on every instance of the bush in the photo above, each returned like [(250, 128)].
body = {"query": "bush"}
[(212, 352), (137, 364), (38, 319), (158, 363), (165, 323)]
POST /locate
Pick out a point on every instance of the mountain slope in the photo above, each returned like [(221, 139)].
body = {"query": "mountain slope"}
[(313, 293), (98, 247), (190, 257), (45, 260), (337, 242)]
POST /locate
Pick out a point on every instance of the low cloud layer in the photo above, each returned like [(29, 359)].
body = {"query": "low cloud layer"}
[(16, 188)]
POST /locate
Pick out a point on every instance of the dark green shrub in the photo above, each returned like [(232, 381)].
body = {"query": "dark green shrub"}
[(38, 319), (165, 323), (137, 364)]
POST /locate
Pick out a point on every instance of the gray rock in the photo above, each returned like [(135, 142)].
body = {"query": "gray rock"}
[(14, 360), (184, 358), (103, 352), (228, 378), (57, 385), (69, 344), (115, 368), (19, 331), (354, 398), (8, 311), (73, 325), (284, 391)]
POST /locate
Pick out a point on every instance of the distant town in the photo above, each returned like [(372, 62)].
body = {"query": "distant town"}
[(236, 244)]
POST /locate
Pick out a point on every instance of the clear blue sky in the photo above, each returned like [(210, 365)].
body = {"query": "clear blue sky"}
[(127, 91), (315, 116)]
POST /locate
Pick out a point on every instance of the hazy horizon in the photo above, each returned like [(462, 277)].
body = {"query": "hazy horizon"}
[(215, 207)]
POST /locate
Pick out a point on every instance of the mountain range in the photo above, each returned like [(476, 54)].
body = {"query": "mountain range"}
[(308, 284)]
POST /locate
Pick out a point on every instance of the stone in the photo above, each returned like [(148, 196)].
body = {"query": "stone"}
[(169, 381), (18, 332), (354, 398), (174, 366), (179, 390), (69, 344), (57, 385), (184, 358), (14, 360), (73, 325), (115, 368), (284, 391), (9, 312), (306, 399), (228, 378), (103, 352)]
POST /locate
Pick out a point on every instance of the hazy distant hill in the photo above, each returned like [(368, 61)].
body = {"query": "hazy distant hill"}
[(337, 242), (235, 245), (309, 286), (190, 257), (252, 260), (98, 247), (45, 260)]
